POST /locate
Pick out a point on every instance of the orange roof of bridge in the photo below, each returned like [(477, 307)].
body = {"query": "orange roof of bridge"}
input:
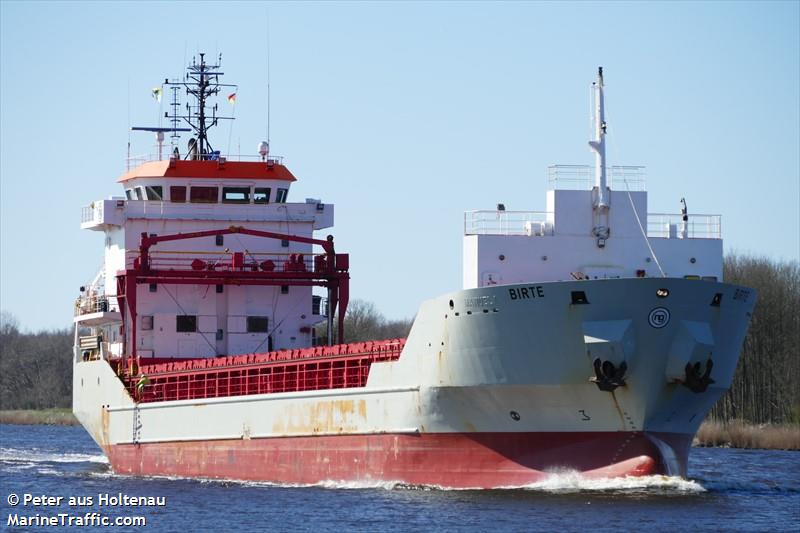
[(229, 170)]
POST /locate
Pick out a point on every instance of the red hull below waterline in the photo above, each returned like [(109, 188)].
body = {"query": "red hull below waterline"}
[(452, 460)]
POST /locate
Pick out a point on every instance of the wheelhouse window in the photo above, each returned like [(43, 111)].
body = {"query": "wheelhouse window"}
[(186, 323), (139, 193), (155, 192), (236, 195), (203, 195), (281, 196), (177, 194), (257, 324), (261, 195), (129, 194)]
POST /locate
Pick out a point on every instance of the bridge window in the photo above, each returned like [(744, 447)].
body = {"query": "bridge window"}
[(129, 194), (177, 194), (261, 195), (186, 323), (203, 195), (236, 195), (139, 193), (257, 324), (155, 192), (281, 196)]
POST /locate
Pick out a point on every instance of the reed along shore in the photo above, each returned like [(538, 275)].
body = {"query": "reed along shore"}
[(739, 434), (49, 417)]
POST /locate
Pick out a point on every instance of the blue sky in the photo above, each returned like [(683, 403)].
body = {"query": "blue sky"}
[(404, 115)]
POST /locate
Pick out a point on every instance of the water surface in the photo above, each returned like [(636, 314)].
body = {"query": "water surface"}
[(727, 490)]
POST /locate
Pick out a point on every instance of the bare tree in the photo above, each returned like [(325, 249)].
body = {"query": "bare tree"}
[(363, 322), (35, 368), (766, 386)]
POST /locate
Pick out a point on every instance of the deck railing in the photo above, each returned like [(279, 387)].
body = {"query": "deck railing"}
[(309, 369), (95, 304), (671, 225), (228, 261), (489, 222), (92, 212), (166, 154), (540, 223), (581, 177)]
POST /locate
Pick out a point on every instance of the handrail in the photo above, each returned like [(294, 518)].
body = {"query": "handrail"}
[(306, 369), (135, 160), (225, 261), (671, 225), (492, 222), (85, 305), (581, 177)]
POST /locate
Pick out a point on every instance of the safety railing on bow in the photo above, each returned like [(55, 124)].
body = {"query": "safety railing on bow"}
[(672, 226)]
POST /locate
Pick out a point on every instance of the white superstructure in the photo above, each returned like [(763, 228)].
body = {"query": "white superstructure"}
[(227, 319), (597, 231)]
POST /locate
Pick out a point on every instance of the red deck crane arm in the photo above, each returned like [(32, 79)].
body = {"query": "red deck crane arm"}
[(151, 240), (334, 276)]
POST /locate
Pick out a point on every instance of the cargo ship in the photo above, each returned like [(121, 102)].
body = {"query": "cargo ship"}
[(591, 337)]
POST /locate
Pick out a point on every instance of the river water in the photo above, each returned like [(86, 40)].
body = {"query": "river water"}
[(728, 490)]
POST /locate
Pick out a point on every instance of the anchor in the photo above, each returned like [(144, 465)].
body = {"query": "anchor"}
[(695, 381), (607, 376)]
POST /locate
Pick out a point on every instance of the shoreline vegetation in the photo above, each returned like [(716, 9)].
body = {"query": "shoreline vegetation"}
[(58, 416), (735, 434), (741, 434)]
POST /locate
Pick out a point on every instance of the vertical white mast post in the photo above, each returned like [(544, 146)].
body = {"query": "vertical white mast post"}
[(598, 146)]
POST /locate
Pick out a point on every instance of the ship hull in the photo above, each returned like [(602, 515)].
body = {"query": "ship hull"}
[(454, 460), (495, 387)]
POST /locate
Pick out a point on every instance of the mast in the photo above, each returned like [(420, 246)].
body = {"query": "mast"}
[(201, 83), (598, 145)]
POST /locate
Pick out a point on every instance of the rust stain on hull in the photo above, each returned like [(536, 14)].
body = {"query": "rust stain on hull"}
[(327, 416), (104, 422)]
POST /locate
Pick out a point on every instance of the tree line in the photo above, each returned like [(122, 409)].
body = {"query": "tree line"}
[(766, 386), (35, 368)]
